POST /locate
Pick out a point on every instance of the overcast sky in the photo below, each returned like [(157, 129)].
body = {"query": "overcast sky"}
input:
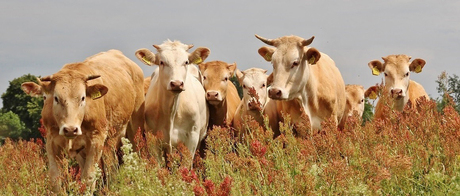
[(39, 37)]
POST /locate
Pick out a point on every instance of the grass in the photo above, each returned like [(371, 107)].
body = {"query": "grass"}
[(413, 152)]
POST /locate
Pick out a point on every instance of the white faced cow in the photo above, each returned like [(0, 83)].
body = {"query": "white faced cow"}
[(82, 102), (396, 69), (175, 103), (307, 75)]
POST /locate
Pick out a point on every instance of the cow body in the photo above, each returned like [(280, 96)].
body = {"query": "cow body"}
[(355, 102), (221, 94), (398, 86), (82, 103), (307, 75), (175, 103)]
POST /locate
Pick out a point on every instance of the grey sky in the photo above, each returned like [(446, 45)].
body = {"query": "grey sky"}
[(39, 37)]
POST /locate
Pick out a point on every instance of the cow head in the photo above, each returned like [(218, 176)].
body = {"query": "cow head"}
[(396, 69), (291, 62), (253, 78), (355, 99), (69, 92), (173, 60), (216, 76)]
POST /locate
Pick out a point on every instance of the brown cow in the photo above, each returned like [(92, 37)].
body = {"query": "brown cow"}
[(82, 102), (396, 69), (307, 75), (355, 100), (221, 94)]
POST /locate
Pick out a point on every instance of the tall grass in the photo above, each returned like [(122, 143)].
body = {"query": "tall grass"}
[(413, 152)]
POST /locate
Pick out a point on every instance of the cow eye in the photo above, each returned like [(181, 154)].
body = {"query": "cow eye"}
[(44, 98), (263, 85), (82, 98), (386, 74), (204, 77), (226, 78), (407, 74), (161, 63), (56, 99), (186, 62), (295, 63), (244, 86), (362, 100)]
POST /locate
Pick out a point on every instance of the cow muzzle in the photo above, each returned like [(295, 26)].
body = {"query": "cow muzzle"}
[(396, 93), (176, 85), (275, 93), (213, 96), (254, 105), (71, 132)]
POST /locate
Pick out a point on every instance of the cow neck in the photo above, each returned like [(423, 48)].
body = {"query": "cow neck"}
[(309, 99), (218, 113)]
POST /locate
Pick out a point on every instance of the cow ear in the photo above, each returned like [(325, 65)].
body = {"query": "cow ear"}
[(266, 53), (376, 67), (231, 68), (239, 75), (202, 67), (199, 55), (96, 91), (270, 79), (32, 89), (372, 92), (146, 56), (417, 65), (312, 56)]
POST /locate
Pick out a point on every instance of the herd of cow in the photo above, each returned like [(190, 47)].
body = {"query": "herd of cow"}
[(185, 96)]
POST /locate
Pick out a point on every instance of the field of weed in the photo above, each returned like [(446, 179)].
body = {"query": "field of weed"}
[(413, 152)]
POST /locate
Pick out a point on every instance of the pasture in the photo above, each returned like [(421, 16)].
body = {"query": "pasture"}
[(413, 152)]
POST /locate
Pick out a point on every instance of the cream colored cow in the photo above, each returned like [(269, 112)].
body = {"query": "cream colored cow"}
[(175, 103), (307, 75), (256, 79), (396, 69), (82, 103)]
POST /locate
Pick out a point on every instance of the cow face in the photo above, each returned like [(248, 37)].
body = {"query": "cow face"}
[(255, 79), (355, 99), (216, 76), (69, 93), (396, 69), (173, 59), (291, 62)]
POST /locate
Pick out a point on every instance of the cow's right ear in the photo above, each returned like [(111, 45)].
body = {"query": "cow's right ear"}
[(266, 52), (372, 92), (312, 56), (146, 56), (376, 67), (199, 55), (270, 79), (32, 89)]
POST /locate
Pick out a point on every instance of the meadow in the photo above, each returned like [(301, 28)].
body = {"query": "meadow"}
[(414, 152)]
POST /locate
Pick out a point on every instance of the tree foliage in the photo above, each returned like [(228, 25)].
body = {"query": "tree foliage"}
[(27, 108), (237, 84), (449, 90), (11, 126)]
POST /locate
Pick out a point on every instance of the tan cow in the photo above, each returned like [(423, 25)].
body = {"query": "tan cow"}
[(396, 69), (256, 79), (82, 102), (175, 103), (221, 94), (307, 75), (355, 101), (147, 84)]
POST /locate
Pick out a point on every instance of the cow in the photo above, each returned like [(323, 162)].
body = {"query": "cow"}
[(221, 94), (356, 100), (147, 84), (398, 86), (175, 103), (255, 79), (307, 75), (82, 102)]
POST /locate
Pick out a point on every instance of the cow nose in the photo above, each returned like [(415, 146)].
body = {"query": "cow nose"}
[(252, 105), (275, 93), (70, 131), (396, 92), (177, 85), (212, 95)]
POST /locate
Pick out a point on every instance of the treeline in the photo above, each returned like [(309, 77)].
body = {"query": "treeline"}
[(21, 114)]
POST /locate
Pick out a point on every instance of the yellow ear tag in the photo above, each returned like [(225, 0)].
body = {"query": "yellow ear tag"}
[(197, 61), (268, 57), (375, 71), (96, 95), (146, 61), (373, 95), (418, 69), (312, 60)]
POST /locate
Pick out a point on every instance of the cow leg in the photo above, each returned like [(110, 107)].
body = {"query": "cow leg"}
[(93, 155), (55, 155)]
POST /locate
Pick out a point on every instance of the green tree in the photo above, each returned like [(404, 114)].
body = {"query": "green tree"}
[(237, 84), (11, 126), (368, 113), (449, 90), (27, 108)]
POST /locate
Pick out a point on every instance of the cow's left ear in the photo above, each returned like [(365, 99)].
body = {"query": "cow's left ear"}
[(96, 91), (231, 68), (146, 56), (270, 79), (417, 65), (199, 55), (372, 92), (239, 75), (312, 56)]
